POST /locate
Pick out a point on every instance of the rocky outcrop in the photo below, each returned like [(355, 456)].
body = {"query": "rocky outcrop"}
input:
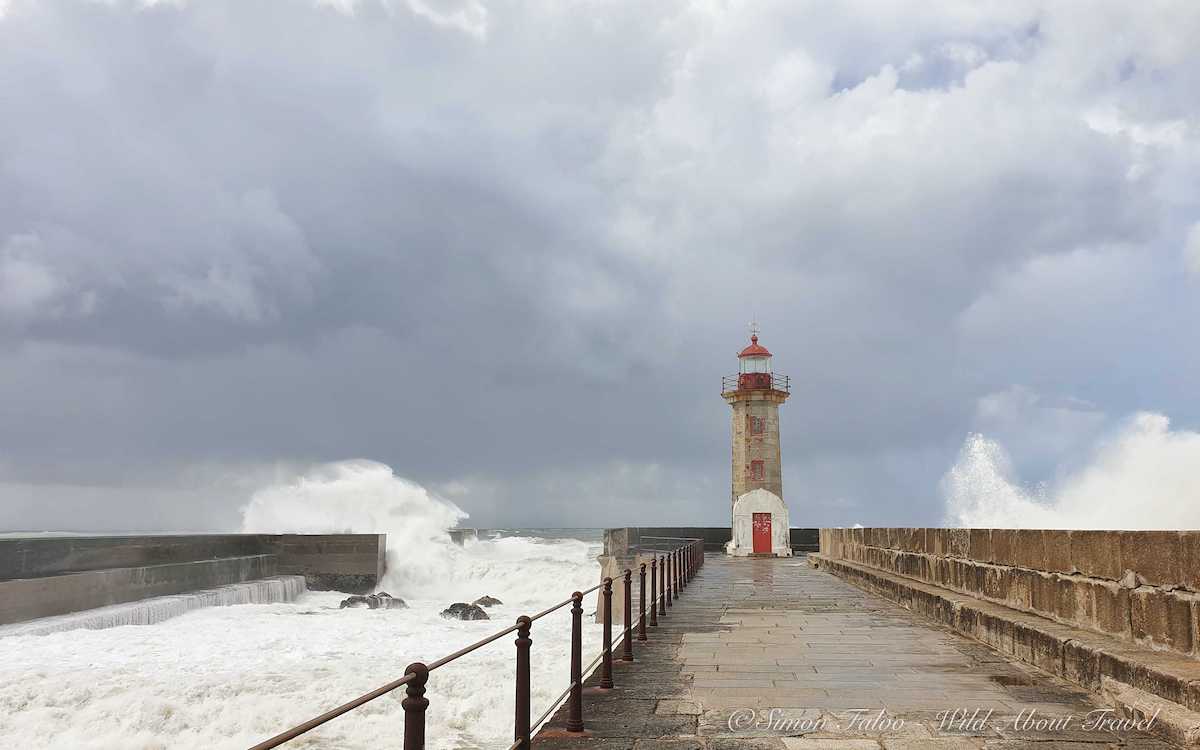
[(464, 611), (381, 600), (486, 601)]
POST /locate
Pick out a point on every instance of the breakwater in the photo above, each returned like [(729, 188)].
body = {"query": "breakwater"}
[(49, 576)]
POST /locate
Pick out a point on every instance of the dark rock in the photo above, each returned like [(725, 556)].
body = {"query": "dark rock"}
[(382, 600), (464, 611), (487, 601), (385, 600)]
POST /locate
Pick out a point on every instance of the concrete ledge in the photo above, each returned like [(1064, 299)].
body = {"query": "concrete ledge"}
[(1133, 585), (30, 598), (1083, 657), (353, 563), (1168, 559), (33, 557)]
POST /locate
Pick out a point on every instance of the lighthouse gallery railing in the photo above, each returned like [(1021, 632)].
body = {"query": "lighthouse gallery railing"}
[(764, 381), (669, 573)]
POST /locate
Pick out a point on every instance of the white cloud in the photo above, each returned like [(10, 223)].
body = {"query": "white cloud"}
[(27, 285), (467, 16)]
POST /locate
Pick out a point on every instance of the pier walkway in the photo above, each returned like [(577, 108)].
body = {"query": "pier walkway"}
[(772, 654)]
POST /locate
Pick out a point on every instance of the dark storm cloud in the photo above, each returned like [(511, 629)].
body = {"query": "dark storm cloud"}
[(509, 248)]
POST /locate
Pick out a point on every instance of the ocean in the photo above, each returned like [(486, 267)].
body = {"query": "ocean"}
[(226, 677)]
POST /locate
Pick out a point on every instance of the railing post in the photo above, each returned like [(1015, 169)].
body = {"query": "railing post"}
[(662, 594), (606, 680), (642, 603), (654, 592), (670, 580), (414, 705), (680, 571), (627, 645), (521, 720), (575, 707)]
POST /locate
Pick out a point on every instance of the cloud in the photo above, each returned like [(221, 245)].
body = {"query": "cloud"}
[(26, 284), (514, 245)]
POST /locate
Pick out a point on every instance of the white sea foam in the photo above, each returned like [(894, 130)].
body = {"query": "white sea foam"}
[(227, 677), (1145, 476)]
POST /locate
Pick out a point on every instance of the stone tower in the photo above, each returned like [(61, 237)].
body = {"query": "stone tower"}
[(755, 394)]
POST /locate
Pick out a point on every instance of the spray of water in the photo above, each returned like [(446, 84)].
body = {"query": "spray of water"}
[(367, 497), (226, 677), (364, 497), (1144, 477)]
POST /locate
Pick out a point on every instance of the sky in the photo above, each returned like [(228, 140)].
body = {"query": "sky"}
[(509, 249)]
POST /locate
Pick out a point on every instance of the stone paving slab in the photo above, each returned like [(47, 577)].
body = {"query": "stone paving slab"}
[(771, 654)]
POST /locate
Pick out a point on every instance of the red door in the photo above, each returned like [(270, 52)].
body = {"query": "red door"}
[(762, 533)]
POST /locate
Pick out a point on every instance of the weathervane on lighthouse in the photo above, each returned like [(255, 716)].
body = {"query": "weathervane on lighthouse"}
[(759, 522)]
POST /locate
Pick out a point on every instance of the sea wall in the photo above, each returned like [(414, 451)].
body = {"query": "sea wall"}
[(33, 557), (1140, 586), (45, 576), (1114, 612), (354, 563), (28, 598)]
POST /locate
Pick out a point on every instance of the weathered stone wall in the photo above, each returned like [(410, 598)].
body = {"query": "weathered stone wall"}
[(748, 447), (44, 576), (1139, 586), (353, 563), (34, 557), (24, 599)]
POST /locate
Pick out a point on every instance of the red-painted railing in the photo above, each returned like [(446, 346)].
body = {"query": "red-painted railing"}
[(756, 381), (670, 571)]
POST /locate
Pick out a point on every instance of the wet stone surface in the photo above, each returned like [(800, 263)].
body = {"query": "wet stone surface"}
[(771, 654)]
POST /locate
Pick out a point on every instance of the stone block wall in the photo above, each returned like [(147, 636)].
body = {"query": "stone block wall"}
[(1140, 586)]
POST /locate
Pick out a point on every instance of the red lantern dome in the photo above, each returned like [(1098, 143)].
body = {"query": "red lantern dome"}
[(754, 350)]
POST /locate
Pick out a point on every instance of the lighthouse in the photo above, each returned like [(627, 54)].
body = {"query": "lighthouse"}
[(759, 517)]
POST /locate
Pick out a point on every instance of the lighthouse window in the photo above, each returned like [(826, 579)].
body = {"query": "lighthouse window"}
[(756, 471), (756, 425), (755, 364)]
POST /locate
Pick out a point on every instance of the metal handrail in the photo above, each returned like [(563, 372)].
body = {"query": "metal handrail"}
[(730, 383), (300, 729), (677, 567)]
